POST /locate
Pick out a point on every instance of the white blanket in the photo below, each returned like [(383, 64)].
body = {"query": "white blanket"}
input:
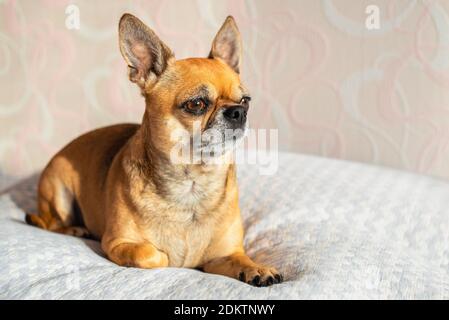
[(335, 229)]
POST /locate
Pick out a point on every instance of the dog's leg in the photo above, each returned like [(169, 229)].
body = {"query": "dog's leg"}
[(241, 267), (54, 225), (139, 255), (46, 218), (56, 214)]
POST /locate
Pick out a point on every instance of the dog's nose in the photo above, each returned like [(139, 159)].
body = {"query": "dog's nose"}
[(236, 115)]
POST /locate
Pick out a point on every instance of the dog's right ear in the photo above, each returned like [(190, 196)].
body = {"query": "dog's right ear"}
[(146, 55)]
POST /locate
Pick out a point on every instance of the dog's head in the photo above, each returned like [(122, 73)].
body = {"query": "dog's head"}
[(193, 94)]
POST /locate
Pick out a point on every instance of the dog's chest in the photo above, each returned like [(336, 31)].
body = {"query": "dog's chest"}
[(184, 235), (185, 245), (184, 225)]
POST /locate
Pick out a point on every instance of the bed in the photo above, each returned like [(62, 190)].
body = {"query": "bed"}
[(336, 230)]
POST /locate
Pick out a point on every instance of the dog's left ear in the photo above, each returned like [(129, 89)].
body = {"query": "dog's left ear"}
[(146, 55), (227, 44)]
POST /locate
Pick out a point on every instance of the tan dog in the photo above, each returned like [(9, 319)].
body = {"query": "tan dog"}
[(118, 183)]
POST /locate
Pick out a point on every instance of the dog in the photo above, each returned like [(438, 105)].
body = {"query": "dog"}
[(118, 184)]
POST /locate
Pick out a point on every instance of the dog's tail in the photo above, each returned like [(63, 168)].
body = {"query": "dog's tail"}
[(35, 220)]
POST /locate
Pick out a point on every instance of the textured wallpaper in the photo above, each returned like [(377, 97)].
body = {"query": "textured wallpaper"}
[(319, 71)]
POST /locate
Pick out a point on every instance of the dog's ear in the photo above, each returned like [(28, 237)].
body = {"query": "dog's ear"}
[(227, 44), (146, 55)]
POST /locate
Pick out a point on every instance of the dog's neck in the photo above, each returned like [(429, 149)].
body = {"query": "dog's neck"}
[(156, 168)]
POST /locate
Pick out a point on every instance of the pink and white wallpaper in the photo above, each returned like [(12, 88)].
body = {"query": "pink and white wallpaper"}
[(316, 72)]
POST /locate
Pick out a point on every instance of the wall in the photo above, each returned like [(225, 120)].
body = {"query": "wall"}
[(331, 86)]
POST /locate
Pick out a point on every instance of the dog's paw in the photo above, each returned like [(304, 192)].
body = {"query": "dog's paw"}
[(260, 276)]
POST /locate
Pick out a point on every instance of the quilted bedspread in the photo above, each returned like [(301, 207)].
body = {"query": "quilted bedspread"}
[(335, 229)]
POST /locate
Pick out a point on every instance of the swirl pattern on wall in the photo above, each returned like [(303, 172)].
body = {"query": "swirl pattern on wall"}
[(331, 86)]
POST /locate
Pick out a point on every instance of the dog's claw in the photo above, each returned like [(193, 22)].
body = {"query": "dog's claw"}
[(256, 281), (260, 276), (279, 278)]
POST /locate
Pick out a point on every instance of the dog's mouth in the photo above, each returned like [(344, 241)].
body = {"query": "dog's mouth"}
[(217, 145)]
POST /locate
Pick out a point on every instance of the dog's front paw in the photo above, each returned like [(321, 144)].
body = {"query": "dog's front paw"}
[(260, 276)]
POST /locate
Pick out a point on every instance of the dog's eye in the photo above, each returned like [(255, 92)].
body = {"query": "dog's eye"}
[(196, 106), (245, 100)]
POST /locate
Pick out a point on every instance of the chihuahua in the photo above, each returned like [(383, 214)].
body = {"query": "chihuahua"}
[(118, 184)]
